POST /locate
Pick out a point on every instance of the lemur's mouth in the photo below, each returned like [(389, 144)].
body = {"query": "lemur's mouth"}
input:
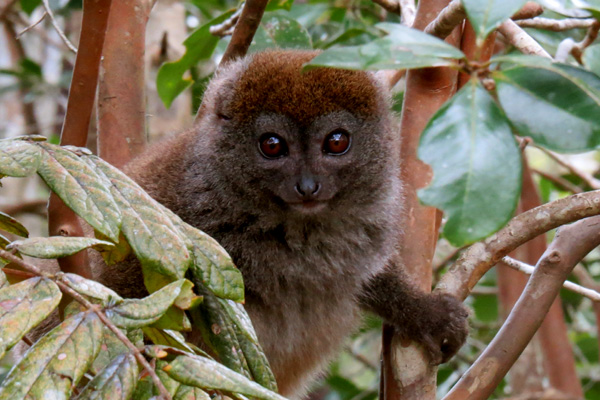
[(309, 206)]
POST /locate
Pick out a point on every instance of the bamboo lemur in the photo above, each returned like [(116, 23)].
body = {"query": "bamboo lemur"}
[(297, 176)]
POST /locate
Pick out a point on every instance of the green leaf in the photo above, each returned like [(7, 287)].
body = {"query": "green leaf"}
[(11, 225), (136, 313), (257, 362), (92, 289), (56, 363), (190, 393), (23, 306), (208, 374), (403, 48), (116, 381), (240, 318), (80, 187), (218, 332), (29, 5), (56, 246), (592, 6), (279, 31), (487, 15), (170, 338), (19, 158), (557, 105), (198, 46), (476, 165), (111, 347), (150, 232), (212, 266), (591, 58), (279, 5)]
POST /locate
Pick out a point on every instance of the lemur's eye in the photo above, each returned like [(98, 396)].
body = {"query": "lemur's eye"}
[(272, 145), (337, 142)]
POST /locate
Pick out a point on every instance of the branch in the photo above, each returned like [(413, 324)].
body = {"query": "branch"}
[(569, 246), (482, 256), (121, 104), (409, 12), (584, 176), (32, 25), (64, 286), (556, 25), (529, 269), (530, 9), (521, 39), (244, 30), (558, 181), (58, 29), (5, 6), (448, 19), (82, 93), (226, 27), (570, 47), (392, 6)]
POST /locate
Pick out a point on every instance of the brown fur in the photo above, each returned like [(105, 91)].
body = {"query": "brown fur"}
[(306, 273)]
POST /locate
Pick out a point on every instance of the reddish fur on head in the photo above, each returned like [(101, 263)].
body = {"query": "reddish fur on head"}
[(272, 83)]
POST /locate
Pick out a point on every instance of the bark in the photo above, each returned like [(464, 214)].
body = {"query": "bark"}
[(121, 94), (406, 370), (61, 220), (569, 246)]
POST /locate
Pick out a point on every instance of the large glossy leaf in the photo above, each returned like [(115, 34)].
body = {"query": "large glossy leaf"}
[(198, 46), (591, 58), (257, 362), (78, 185), (208, 374), (402, 48), (23, 306), (169, 338), (136, 313), (19, 158), (280, 31), (11, 225), (476, 165), (592, 6), (115, 382), (56, 363), (487, 15), (555, 104), (56, 246), (150, 232), (212, 265)]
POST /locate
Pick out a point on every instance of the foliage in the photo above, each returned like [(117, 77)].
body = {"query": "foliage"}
[(107, 199)]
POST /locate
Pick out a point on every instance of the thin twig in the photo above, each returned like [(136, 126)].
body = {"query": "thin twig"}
[(475, 261), (33, 25), (392, 6), (569, 246), (64, 286), (528, 269), (584, 176), (570, 47), (226, 27), (556, 25), (530, 10), (58, 29), (408, 12), (521, 39), (558, 181), (452, 15)]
